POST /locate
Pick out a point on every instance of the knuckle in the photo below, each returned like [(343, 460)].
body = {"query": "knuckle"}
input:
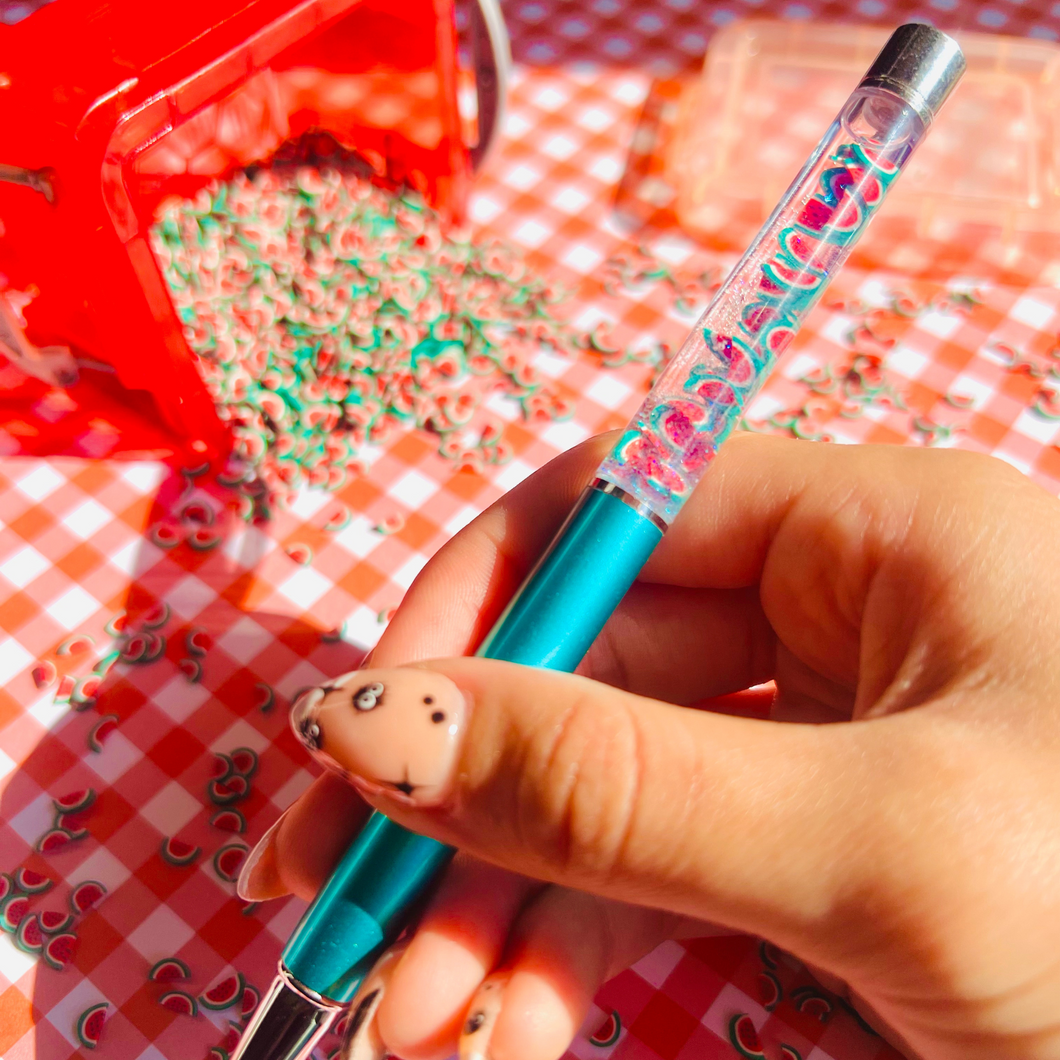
[(577, 800)]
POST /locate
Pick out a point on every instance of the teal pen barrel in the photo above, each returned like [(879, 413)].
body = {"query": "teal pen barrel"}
[(577, 584), (553, 618), (362, 907)]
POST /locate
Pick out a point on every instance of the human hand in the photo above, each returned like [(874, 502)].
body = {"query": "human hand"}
[(912, 854)]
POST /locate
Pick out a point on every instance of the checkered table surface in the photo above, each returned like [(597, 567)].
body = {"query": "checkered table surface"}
[(962, 363)]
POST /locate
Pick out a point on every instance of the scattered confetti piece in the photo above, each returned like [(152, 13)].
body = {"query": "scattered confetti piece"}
[(229, 820), (169, 970), (181, 1002), (229, 860), (86, 895), (300, 553), (264, 697), (177, 852), (44, 673), (196, 642), (52, 840), (101, 730), (225, 993), (89, 1027), (78, 644), (191, 669), (59, 950), (244, 761), (391, 524), (157, 617), (33, 882)]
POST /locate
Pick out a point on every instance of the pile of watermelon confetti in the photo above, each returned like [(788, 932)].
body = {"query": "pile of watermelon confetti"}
[(327, 313)]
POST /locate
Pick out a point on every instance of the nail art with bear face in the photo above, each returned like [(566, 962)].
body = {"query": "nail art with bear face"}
[(393, 732), (481, 1018)]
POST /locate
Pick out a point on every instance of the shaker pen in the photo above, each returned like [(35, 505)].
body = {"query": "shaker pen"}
[(638, 490)]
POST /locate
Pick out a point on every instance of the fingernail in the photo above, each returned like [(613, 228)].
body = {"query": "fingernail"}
[(361, 1040), (391, 732), (259, 879), (481, 1019)]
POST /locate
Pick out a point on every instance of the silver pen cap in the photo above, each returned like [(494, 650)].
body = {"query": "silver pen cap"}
[(920, 64), (289, 1022)]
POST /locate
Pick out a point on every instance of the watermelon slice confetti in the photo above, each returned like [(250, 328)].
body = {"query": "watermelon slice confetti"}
[(66, 686), (53, 840), (157, 617), (204, 539), (229, 820), (198, 512), (85, 895), (165, 536), (115, 626), (770, 990), (106, 662), (33, 882), (230, 789), (29, 937), (217, 1052), (232, 1036), (180, 1001), (177, 852), (301, 553), (7, 886), (608, 1033), (156, 648), (196, 642), (812, 1003), (75, 801), (59, 951), (169, 970), (73, 824), (52, 922), (264, 697), (251, 997), (44, 673), (89, 1028), (334, 636), (222, 766), (244, 761), (12, 910), (744, 1037), (78, 644), (789, 1052), (101, 730), (191, 669), (135, 648), (84, 693), (229, 860), (225, 993)]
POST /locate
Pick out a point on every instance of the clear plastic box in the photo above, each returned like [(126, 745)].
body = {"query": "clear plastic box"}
[(769, 89)]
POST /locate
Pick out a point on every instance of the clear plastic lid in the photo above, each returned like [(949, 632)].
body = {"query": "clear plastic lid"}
[(768, 88)]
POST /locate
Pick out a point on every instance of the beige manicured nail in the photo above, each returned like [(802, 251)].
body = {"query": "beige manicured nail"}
[(481, 1018), (259, 879), (394, 732), (361, 1040)]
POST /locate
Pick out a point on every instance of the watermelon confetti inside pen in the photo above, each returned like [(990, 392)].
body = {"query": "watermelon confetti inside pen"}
[(572, 590)]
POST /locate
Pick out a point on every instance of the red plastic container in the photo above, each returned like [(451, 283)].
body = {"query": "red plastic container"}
[(115, 106)]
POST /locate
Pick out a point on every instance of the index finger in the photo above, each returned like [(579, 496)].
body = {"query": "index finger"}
[(460, 593)]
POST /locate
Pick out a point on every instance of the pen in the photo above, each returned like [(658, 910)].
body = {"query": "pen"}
[(639, 488)]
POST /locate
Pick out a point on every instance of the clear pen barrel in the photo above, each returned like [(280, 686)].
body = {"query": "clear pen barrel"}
[(704, 391)]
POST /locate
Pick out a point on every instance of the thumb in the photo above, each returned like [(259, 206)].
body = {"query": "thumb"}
[(746, 823)]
